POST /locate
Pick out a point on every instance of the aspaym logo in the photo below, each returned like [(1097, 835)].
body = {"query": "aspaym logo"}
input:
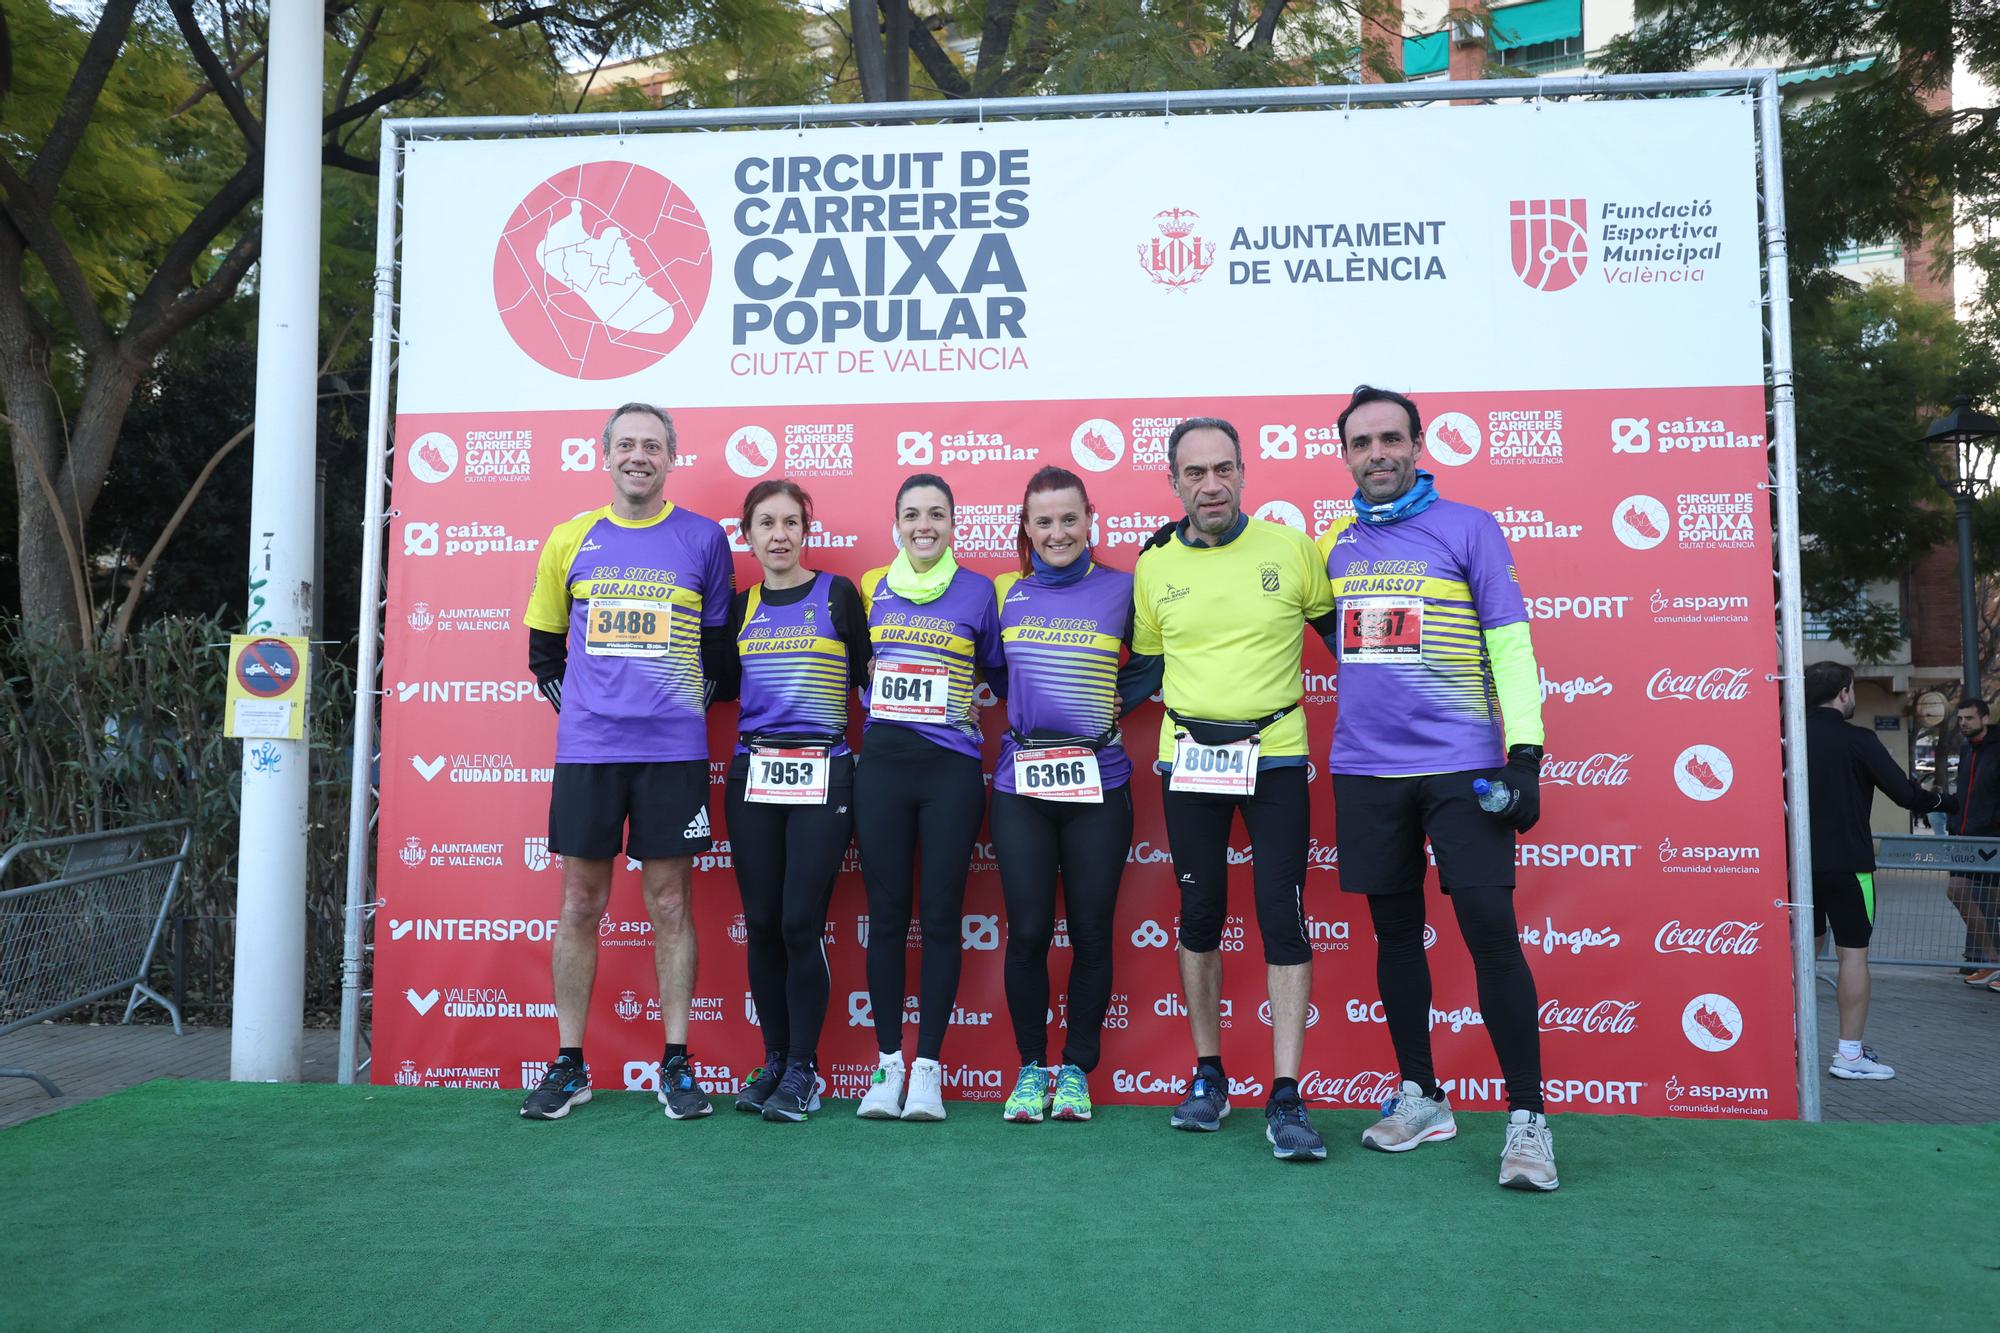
[(602, 270), (1097, 445), (1550, 240), (1453, 439), (1641, 522), (751, 451), (1703, 773), (433, 456), (1712, 1022)]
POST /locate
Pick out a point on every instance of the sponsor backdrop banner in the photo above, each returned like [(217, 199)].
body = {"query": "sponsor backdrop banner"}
[(1570, 291)]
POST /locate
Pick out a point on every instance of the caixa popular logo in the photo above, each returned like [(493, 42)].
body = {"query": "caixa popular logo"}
[(1611, 1018), (1177, 258), (1550, 240), (602, 270)]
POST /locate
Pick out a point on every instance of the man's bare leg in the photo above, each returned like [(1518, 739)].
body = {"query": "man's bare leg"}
[(1851, 991), (586, 892), (1290, 988), (666, 884), (1201, 986)]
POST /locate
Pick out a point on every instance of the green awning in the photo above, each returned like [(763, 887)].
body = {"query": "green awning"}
[(1815, 73), (1426, 55), (1534, 23)]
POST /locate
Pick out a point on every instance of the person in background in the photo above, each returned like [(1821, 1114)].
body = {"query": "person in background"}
[(1977, 897)]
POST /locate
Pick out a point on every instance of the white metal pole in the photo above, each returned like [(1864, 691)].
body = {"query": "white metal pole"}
[(1791, 627), (361, 800), (269, 995)]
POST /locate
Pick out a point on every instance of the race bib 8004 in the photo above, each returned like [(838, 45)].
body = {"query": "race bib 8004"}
[(1219, 770)]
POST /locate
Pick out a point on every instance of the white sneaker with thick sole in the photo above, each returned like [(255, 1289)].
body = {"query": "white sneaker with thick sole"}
[(1863, 1066), (1528, 1162), (884, 1100), (1411, 1119), (926, 1097)]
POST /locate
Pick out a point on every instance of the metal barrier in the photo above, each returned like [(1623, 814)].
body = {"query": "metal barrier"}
[(1937, 901), (90, 931)]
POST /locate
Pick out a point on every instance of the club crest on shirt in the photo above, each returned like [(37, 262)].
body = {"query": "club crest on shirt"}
[(1267, 575)]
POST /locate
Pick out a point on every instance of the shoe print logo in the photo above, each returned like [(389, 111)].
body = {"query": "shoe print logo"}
[(1150, 935), (698, 826), (1453, 439), (427, 768), (1712, 1022), (1640, 522), (421, 1003), (433, 457), (1704, 773)]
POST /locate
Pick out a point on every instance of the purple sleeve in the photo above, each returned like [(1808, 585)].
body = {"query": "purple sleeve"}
[(718, 579), (1489, 573), (986, 637)]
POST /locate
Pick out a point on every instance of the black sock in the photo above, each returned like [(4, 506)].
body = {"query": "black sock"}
[(1212, 1062), (573, 1054), (675, 1051), (1432, 1091), (1281, 1086)]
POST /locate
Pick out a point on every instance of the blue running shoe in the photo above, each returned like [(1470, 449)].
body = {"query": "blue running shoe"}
[(796, 1095), (1207, 1102), (679, 1093), (566, 1084), (1292, 1137)]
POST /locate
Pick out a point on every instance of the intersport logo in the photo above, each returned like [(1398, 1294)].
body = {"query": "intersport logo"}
[(1722, 684), (1739, 938), (1602, 769), (1609, 1018)]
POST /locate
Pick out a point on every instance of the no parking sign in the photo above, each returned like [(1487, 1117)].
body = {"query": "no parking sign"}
[(267, 687)]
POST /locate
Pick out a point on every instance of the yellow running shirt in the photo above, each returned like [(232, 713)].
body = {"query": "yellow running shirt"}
[(1230, 621)]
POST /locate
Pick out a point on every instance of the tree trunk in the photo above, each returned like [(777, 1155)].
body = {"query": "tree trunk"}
[(865, 20)]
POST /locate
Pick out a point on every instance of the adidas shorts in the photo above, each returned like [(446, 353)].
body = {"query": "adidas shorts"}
[(666, 805)]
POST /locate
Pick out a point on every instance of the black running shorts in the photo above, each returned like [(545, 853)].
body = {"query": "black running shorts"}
[(1846, 901), (666, 805), (1275, 816), (1381, 824)]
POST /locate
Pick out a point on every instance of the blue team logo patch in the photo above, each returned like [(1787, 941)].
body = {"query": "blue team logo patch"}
[(1267, 575)]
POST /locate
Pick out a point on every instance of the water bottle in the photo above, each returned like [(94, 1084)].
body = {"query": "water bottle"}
[(1495, 796)]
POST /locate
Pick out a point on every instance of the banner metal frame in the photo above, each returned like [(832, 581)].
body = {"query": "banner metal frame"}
[(1758, 84)]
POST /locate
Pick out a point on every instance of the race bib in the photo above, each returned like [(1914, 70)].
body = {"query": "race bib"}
[(910, 692), (787, 777), (1060, 773), (1382, 629), (627, 627), (1219, 770)]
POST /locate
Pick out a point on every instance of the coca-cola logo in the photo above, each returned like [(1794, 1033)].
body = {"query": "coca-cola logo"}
[(1615, 1018), (1370, 1087), (1716, 685), (1598, 770), (1724, 937), (1323, 856)]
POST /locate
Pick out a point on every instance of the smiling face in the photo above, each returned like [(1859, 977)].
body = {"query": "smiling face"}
[(1208, 478), (1058, 525), (1380, 452), (639, 459), (777, 535), (923, 521)]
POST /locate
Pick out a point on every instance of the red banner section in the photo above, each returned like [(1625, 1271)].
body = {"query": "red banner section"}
[(1650, 895)]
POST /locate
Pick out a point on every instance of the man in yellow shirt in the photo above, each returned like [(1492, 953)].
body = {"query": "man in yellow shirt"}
[(1225, 598)]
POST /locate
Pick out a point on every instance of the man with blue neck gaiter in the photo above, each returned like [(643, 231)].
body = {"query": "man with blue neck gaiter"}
[(1438, 737)]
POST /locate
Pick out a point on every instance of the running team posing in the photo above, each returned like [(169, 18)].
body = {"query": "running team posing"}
[(635, 628)]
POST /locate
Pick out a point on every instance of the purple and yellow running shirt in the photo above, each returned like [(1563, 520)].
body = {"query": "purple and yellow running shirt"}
[(1416, 601), (1062, 647), (958, 631), (633, 595), (798, 652)]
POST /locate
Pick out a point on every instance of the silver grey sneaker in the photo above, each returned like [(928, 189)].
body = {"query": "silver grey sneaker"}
[(1529, 1160), (1408, 1119)]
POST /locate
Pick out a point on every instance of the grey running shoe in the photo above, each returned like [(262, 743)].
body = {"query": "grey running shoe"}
[(1865, 1066), (1206, 1104), (564, 1086), (1529, 1160), (757, 1089), (679, 1093), (1290, 1134), (797, 1093), (1409, 1118)]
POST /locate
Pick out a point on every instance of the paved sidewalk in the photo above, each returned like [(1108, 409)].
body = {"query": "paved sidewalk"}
[(87, 1061), (1941, 1037)]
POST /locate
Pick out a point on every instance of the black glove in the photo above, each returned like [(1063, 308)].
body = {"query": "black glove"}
[(551, 689), (1523, 773), (1946, 802), (1159, 538)]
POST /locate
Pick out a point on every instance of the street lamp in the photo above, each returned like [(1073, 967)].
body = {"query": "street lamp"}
[(1969, 433)]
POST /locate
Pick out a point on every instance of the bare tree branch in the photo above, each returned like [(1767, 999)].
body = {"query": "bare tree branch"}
[(996, 34), (1035, 53), (358, 48), (237, 71), (1267, 24), (407, 86), (221, 285), (80, 101), (79, 586), (218, 77), (6, 58), (937, 62), (30, 216), (331, 156), (175, 272)]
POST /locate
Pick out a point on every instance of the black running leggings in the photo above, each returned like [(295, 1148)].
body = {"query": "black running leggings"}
[(786, 858), (1506, 986), (1084, 843), (911, 794)]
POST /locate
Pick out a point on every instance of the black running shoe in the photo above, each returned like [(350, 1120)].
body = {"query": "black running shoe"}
[(797, 1094), (1291, 1135), (566, 1084), (1206, 1104), (679, 1093), (762, 1083)]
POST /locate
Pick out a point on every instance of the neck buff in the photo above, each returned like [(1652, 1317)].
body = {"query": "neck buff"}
[(1050, 576), (907, 583), (1407, 505)]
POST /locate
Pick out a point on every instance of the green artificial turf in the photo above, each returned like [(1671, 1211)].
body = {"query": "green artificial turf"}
[(209, 1205)]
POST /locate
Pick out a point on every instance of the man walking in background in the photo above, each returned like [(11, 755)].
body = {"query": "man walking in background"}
[(1845, 767), (1978, 816)]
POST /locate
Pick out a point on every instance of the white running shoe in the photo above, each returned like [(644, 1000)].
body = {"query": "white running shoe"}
[(1528, 1162), (926, 1099), (885, 1093), (1864, 1065), (1409, 1119)]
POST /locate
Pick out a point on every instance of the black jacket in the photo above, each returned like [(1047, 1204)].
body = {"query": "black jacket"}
[(1844, 766), (1978, 787)]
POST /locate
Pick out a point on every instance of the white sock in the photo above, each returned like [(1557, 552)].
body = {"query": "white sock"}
[(1850, 1050)]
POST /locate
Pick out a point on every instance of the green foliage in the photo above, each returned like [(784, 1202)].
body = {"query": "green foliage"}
[(109, 740)]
